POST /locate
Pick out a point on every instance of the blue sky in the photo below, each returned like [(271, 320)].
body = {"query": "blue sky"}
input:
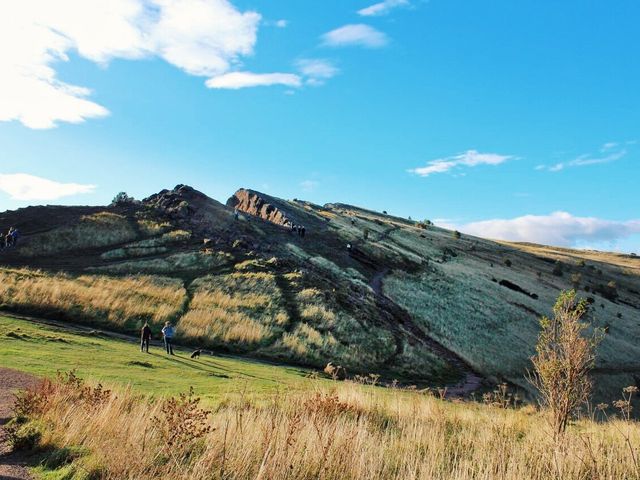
[(490, 116)]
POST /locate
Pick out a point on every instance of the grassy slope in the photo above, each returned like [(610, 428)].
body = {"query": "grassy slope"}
[(43, 350), (450, 287)]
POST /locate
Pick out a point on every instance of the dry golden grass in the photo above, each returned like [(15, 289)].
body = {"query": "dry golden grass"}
[(630, 263), (218, 325), (350, 432), (113, 301), (92, 231), (153, 227), (239, 309)]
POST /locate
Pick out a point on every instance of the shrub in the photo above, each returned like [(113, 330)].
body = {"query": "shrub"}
[(122, 199), (564, 357), (507, 262), (576, 279), (557, 269), (457, 234)]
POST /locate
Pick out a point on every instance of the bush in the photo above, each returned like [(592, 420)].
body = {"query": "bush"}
[(23, 436), (457, 234), (122, 199), (564, 357), (557, 269), (507, 262), (576, 279)]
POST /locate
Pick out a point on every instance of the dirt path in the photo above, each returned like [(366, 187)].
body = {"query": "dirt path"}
[(471, 380), (12, 465)]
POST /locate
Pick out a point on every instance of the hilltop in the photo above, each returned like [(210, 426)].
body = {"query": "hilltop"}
[(371, 292)]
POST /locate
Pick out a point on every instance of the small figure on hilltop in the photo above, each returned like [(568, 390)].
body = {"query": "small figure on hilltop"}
[(11, 239), (145, 337), (236, 214), (168, 332), (302, 231)]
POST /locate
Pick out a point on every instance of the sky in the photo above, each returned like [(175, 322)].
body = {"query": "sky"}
[(511, 120)]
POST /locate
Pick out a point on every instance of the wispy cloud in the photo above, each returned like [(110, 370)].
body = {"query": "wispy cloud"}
[(316, 70), (200, 37), (558, 228), (470, 158), (282, 23), (237, 80), (382, 8), (358, 34), (606, 156), (22, 186)]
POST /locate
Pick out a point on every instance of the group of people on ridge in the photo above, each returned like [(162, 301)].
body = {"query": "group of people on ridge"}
[(168, 331), (10, 239), (299, 229)]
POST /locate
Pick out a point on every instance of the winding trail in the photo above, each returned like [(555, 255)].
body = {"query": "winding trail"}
[(12, 465), (403, 322)]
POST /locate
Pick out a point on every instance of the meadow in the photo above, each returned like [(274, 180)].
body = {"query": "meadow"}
[(267, 421)]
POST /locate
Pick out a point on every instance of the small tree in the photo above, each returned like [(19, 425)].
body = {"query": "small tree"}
[(456, 234), (564, 357), (122, 199)]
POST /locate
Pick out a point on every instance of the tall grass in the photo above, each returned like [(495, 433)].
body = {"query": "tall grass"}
[(98, 299), (92, 231), (350, 432), (239, 310)]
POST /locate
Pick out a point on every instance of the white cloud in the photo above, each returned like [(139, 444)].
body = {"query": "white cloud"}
[(308, 185), (201, 37), (382, 8), (22, 186), (558, 228), (355, 35), (316, 70), (282, 23), (237, 80), (470, 158), (586, 160)]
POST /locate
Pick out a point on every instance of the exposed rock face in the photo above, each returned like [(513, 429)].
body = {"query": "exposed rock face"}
[(190, 208), (176, 202), (259, 205)]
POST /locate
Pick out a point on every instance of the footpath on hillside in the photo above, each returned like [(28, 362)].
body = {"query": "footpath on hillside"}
[(471, 380), (12, 465)]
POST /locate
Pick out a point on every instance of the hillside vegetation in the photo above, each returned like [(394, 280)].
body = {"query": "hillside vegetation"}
[(407, 300), (120, 416)]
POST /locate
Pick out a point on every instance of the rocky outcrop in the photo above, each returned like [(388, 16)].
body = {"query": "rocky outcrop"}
[(259, 205), (190, 209)]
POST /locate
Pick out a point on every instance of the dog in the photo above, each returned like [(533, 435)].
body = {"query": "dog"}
[(196, 354)]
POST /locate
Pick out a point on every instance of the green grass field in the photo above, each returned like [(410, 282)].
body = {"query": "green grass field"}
[(44, 350)]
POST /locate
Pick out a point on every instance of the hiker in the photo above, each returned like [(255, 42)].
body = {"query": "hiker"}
[(145, 337), (302, 231), (167, 332), (8, 238), (236, 214), (16, 235), (2, 240)]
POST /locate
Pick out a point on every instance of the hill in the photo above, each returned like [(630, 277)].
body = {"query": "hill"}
[(120, 416), (369, 291)]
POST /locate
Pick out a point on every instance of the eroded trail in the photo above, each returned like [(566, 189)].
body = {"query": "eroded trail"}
[(12, 465), (471, 380)]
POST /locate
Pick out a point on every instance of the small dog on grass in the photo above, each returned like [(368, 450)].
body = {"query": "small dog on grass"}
[(196, 354)]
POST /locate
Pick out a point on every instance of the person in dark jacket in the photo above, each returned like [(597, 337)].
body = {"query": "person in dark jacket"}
[(145, 337)]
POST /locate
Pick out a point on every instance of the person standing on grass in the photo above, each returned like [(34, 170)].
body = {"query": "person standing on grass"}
[(167, 333), (145, 337)]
